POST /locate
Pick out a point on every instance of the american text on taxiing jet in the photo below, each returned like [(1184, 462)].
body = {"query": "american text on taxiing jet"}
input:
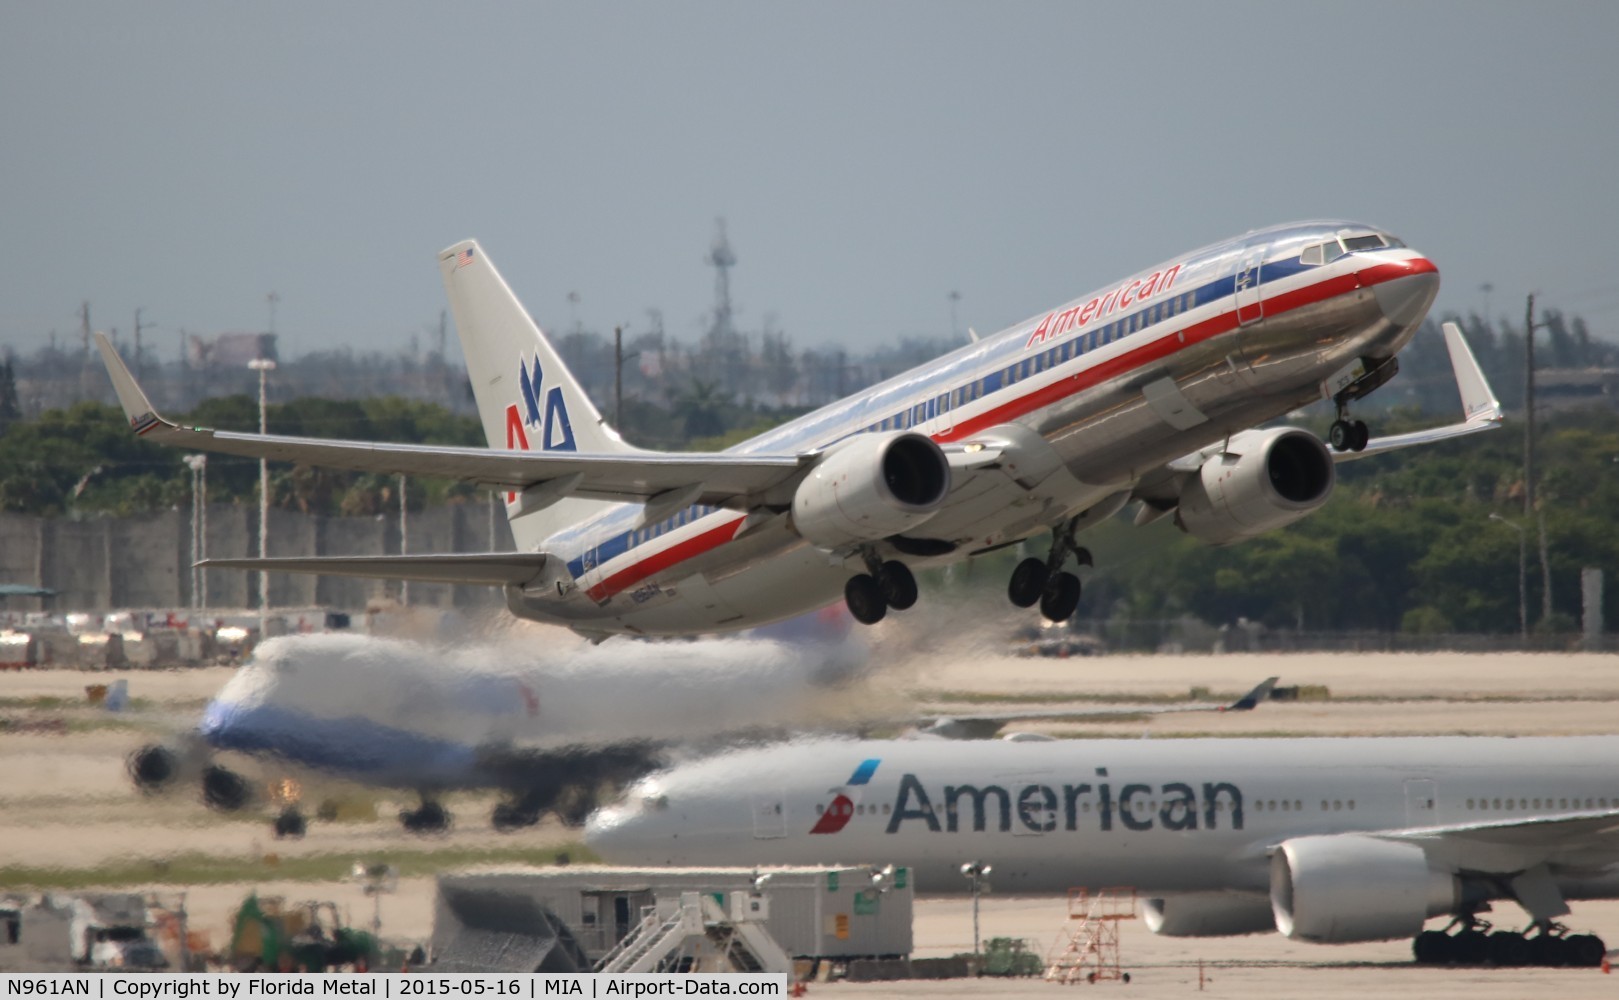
[(1152, 390)]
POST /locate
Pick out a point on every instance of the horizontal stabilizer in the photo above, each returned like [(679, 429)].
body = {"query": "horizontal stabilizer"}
[(489, 568)]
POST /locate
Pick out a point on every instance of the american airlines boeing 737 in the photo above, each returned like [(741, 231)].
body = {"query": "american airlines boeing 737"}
[(1324, 840), (1148, 390)]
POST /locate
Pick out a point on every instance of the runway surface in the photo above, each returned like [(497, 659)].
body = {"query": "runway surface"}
[(67, 808)]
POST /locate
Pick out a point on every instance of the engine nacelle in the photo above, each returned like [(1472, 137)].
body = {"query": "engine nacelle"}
[(1209, 914), (1350, 887), (870, 487), (154, 767), (1263, 480)]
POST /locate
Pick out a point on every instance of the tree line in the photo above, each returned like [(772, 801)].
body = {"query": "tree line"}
[(1408, 542)]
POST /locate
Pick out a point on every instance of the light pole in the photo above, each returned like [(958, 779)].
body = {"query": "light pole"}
[(1523, 577), (404, 539), (977, 874), (263, 366), (199, 525), (376, 880)]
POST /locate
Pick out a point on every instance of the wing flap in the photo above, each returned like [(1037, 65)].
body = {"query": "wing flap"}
[(489, 569)]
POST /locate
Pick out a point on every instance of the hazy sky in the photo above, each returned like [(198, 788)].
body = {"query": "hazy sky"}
[(869, 157)]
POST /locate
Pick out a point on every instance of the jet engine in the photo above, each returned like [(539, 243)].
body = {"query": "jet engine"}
[(1209, 914), (174, 763), (1351, 887), (870, 487), (1263, 480)]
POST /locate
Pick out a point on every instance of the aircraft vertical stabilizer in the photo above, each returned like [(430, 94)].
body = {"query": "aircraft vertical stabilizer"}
[(527, 398)]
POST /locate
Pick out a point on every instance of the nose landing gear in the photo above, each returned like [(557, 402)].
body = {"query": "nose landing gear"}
[(1348, 435)]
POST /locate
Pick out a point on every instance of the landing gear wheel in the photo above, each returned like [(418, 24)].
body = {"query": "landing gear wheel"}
[(430, 818), (1548, 950), (1470, 947), (865, 599), (1360, 435), (1508, 949), (1061, 597), (224, 789), (898, 585), (509, 816), (1340, 434), (1028, 582), (1431, 948), (290, 823), (1585, 951)]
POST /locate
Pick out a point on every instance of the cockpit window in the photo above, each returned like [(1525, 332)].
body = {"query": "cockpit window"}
[(655, 803), (1321, 253), (1372, 242)]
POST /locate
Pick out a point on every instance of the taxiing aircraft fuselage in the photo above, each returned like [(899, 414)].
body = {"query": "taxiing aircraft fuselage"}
[(549, 728), (1326, 840)]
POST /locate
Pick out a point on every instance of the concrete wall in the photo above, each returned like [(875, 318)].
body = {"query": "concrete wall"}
[(145, 562)]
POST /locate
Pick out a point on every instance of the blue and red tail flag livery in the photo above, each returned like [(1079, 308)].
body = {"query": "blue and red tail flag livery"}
[(837, 813), (552, 426)]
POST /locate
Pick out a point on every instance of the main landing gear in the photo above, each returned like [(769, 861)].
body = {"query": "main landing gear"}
[(430, 817), (290, 823), (1473, 943), (884, 585), (1046, 583)]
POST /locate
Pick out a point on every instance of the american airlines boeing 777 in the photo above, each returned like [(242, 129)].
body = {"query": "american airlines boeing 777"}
[(1324, 840), (1149, 390)]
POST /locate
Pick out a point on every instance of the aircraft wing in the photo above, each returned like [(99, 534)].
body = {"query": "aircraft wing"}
[(718, 479), (985, 725), (1590, 837), (1481, 411), (487, 568)]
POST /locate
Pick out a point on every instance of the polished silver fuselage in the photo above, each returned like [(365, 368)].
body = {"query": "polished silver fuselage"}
[(1092, 401)]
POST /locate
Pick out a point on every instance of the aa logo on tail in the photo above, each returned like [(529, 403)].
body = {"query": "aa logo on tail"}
[(541, 411)]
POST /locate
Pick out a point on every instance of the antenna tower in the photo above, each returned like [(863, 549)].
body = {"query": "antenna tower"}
[(721, 257)]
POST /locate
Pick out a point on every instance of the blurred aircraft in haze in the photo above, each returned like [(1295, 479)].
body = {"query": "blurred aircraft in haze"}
[(547, 726), (1324, 840), (1150, 390)]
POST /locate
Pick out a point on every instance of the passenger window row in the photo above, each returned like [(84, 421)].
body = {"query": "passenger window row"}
[(1509, 805)]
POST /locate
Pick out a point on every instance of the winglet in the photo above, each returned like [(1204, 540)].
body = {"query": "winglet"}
[(1481, 411), (1252, 699), (142, 415), (1478, 401)]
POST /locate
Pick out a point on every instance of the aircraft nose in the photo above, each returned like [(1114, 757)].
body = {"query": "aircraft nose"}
[(1406, 297), (610, 834)]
